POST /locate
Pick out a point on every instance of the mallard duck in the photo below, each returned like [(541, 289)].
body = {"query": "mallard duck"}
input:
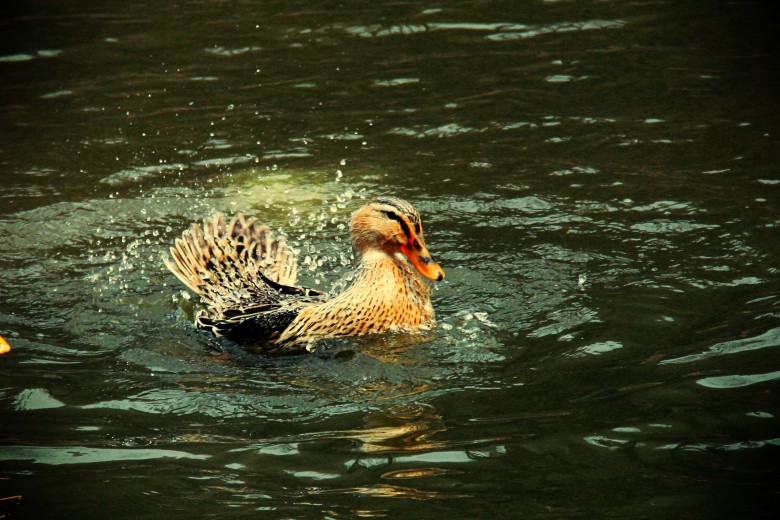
[(247, 279)]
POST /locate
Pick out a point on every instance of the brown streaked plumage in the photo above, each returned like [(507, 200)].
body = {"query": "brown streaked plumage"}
[(246, 278)]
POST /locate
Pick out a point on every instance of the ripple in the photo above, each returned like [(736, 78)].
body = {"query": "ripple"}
[(417, 473), (138, 173), (395, 82), (448, 130), (664, 226), (378, 31), (213, 404), (666, 206), (602, 441), (435, 457), (218, 50), (565, 320), (11, 58), (737, 381), (498, 31), (769, 339), (56, 456), (564, 78), (734, 446), (456, 129), (563, 27), (21, 57), (57, 94), (595, 349), (225, 161), (36, 399), (388, 491)]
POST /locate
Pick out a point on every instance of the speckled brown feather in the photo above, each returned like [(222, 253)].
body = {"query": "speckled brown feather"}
[(220, 261)]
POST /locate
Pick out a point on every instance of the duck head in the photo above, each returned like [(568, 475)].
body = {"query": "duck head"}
[(393, 225)]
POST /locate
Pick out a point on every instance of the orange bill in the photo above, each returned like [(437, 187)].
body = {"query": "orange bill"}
[(420, 258), (5, 348)]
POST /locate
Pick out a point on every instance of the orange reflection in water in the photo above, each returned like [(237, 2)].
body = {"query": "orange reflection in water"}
[(389, 491), (404, 429)]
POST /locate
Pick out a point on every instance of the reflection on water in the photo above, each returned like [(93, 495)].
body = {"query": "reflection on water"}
[(736, 381), (598, 180), (83, 455), (389, 491), (768, 339)]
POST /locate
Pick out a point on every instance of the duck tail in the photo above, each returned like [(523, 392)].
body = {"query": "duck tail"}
[(230, 263)]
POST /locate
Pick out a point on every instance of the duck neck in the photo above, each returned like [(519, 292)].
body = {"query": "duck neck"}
[(389, 275)]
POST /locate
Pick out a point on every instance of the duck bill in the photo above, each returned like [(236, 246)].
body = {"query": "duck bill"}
[(422, 260)]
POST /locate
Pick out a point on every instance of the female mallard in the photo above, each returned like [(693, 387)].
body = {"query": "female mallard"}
[(246, 278)]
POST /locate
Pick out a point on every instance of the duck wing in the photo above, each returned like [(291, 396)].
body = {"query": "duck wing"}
[(235, 266)]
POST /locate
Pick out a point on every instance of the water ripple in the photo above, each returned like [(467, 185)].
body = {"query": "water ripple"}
[(769, 339), (737, 381), (56, 456), (498, 31)]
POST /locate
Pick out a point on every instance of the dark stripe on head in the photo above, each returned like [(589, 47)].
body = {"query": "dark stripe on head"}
[(401, 221), (404, 208), (399, 204)]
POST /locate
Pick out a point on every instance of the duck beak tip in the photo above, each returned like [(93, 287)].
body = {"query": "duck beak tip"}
[(421, 259)]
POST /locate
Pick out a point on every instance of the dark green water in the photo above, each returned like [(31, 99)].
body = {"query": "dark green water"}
[(598, 179)]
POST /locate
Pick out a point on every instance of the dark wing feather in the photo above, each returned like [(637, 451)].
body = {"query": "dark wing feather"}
[(263, 326)]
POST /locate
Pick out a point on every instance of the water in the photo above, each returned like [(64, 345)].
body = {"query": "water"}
[(598, 180)]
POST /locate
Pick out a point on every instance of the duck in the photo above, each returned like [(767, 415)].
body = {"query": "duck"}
[(246, 279)]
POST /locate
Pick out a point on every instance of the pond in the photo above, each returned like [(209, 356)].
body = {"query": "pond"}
[(599, 181)]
